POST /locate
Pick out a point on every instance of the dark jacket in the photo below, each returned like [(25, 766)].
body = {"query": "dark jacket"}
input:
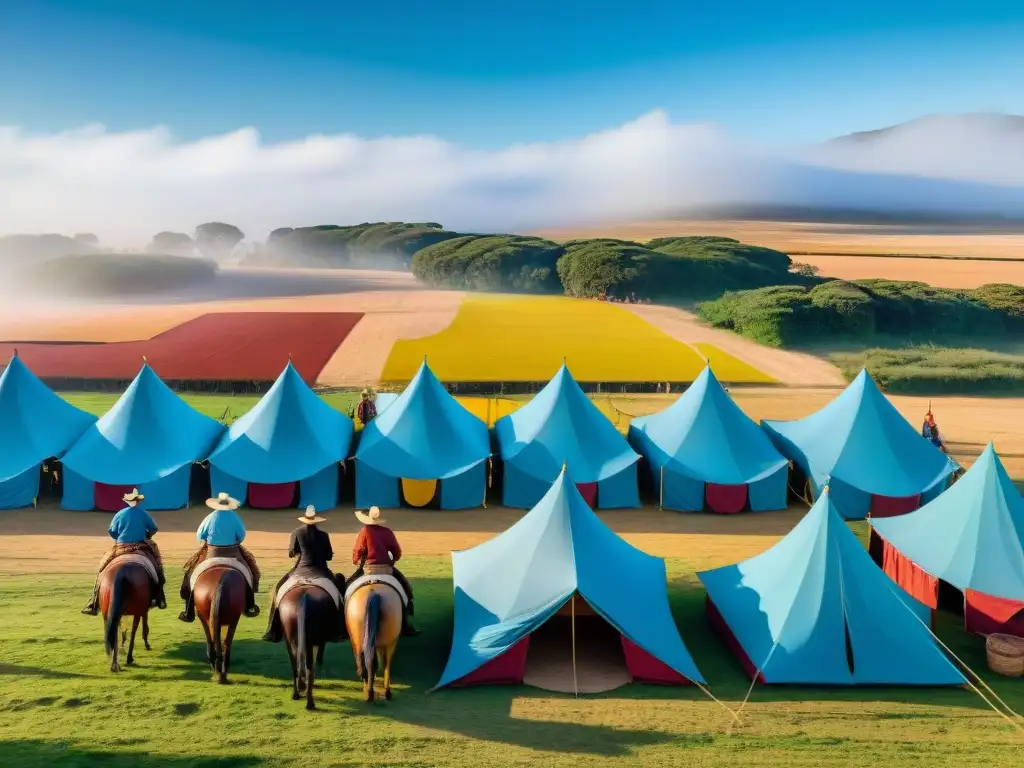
[(313, 548)]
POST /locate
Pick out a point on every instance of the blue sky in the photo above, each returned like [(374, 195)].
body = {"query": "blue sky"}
[(488, 74)]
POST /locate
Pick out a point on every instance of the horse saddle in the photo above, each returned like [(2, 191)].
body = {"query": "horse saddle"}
[(139, 559), (220, 562), (377, 575), (323, 582)]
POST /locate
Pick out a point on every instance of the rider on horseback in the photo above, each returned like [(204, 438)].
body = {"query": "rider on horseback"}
[(132, 529), (222, 529), (377, 545), (313, 548)]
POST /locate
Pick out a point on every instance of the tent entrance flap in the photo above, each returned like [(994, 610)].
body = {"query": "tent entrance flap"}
[(110, 498), (272, 495), (418, 493), (600, 663)]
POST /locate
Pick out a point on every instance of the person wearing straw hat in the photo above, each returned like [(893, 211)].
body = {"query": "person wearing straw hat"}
[(132, 530), (222, 528), (377, 544), (312, 547)]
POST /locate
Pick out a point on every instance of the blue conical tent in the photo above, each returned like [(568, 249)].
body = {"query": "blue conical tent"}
[(560, 425), (704, 437), (290, 435), (509, 586), (972, 536), (149, 439), (423, 435), (815, 609), (861, 446), (36, 424)]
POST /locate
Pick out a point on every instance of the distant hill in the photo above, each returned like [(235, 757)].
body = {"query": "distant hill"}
[(978, 121)]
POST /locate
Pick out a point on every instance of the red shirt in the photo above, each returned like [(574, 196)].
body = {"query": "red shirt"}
[(374, 542)]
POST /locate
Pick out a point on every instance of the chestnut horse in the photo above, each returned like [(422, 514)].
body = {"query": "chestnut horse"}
[(124, 591), (308, 617), (373, 616), (220, 597)]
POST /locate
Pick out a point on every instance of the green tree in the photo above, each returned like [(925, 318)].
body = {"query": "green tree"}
[(173, 243), (216, 240)]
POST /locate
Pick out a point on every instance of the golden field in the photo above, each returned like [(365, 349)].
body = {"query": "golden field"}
[(520, 338), (942, 273)]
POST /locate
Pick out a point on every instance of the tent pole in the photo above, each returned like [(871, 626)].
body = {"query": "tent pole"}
[(572, 611), (661, 490)]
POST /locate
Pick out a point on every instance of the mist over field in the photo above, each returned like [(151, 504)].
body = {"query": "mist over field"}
[(124, 186)]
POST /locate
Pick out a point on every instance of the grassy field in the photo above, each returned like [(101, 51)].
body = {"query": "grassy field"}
[(518, 338), (60, 705), (938, 369)]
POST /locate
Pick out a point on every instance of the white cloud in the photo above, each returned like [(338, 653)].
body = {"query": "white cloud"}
[(126, 186)]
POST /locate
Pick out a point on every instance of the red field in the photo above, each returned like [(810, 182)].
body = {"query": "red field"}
[(231, 346)]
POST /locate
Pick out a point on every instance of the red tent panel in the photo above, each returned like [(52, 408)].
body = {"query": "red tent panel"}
[(271, 495), (110, 498), (506, 669), (914, 581), (893, 506), (589, 493), (718, 624), (645, 668), (725, 499), (985, 615)]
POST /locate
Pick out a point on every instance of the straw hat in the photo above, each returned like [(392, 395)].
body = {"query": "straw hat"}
[(133, 496), (371, 517), (311, 517), (222, 501)]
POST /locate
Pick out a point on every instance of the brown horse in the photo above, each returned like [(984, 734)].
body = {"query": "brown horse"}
[(308, 617), (220, 596), (373, 615), (124, 591)]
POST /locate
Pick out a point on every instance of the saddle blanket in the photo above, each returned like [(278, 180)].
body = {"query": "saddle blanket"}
[(220, 562), (138, 559), (377, 578), (323, 582)]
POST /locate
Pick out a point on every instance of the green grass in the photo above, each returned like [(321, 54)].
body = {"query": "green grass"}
[(215, 406), (931, 370), (60, 706)]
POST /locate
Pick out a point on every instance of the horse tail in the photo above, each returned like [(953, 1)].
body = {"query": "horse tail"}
[(370, 630), (115, 610), (302, 651), (215, 606)]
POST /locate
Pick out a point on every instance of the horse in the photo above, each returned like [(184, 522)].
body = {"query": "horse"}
[(220, 597), (308, 616), (124, 591), (373, 616)]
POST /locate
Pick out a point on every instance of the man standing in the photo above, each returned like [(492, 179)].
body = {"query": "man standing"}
[(377, 545), (132, 530), (221, 529), (367, 410)]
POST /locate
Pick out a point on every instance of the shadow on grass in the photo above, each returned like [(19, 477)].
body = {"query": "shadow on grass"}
[(50, 674), (16, 754)]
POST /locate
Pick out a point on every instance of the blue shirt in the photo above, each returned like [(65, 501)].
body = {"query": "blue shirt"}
[(131, 525), (222, 528)]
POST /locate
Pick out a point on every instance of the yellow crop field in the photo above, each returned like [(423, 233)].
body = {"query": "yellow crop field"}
[(525, 338)]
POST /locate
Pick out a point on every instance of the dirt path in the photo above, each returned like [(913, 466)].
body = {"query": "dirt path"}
[(51, 540), (787, 367)]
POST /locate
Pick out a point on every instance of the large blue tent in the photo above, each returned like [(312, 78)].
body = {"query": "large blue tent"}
[(510, 586), (703, 448), (865, 451), (425, 435), (149, 440), (815, 609), (561, 425), (290, 437), (972, 537), (36, 424)]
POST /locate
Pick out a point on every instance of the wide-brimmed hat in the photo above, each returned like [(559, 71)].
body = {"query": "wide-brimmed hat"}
[(223, 501), (311, 517), (133, 496), (370, 517)]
